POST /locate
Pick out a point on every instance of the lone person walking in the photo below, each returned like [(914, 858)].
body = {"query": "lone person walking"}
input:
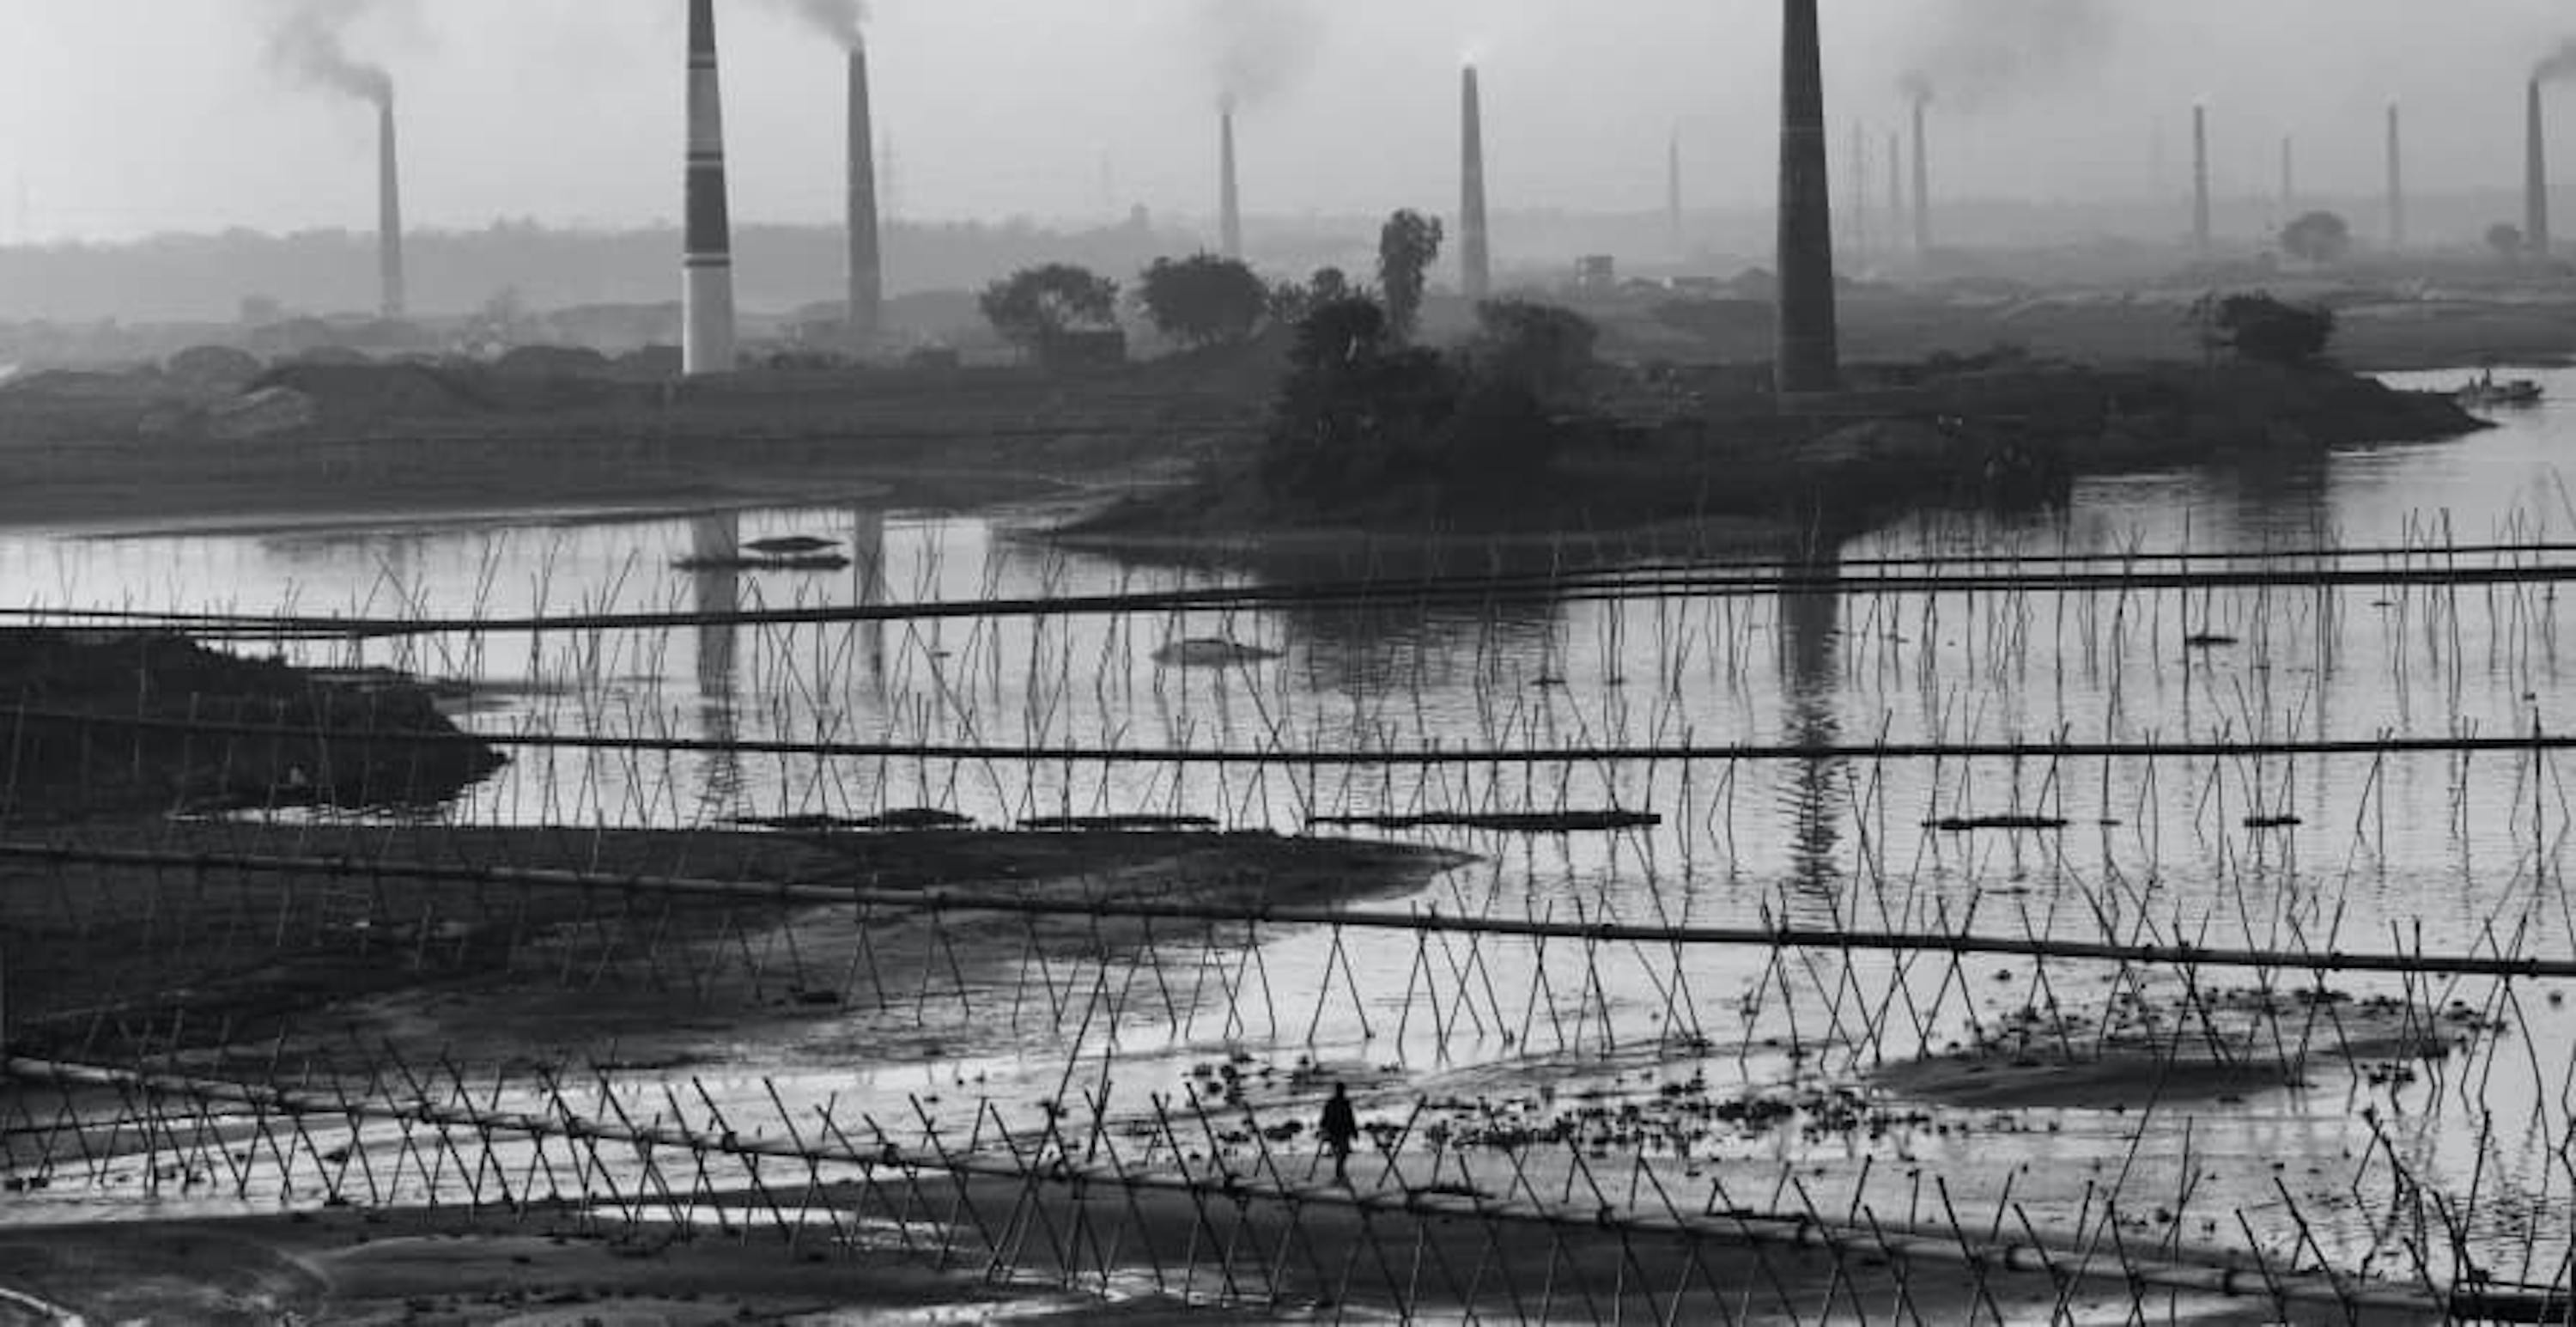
[(1341, 1127)]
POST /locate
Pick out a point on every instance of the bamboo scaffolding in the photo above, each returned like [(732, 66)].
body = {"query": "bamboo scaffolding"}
[(940, 902), (1805, 1229)]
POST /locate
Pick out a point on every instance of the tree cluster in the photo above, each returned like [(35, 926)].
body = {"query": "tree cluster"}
[(2265, 330), (1363, 411)]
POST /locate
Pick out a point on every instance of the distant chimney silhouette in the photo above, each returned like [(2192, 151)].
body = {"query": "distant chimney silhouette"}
[(867, 258), (1808, 351), (2200, 180), (1475, 241), (2396, 179), (2535, 223), (1229, 193), (1922, 178), (389, 217), (1673, 193)]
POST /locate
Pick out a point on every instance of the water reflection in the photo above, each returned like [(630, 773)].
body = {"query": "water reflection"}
[(715, 585), (1810, 640), (868, 577)]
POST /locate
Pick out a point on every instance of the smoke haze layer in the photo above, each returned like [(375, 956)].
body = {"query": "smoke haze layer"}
[(2559, 65), (843, 21), (1259, 49), (310, 46), (1977, 55)]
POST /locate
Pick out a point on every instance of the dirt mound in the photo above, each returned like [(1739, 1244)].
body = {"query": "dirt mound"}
[(115, 721)]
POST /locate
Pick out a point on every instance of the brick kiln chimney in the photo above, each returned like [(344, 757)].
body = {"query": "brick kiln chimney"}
[(706, 297), (867, 259), (1475, 239), (389, 222), (1807, 355)]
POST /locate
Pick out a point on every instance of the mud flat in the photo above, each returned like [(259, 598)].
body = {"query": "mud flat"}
[(334, 945)]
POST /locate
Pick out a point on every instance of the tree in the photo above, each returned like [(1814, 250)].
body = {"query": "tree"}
[(1291, 302), (2506, 240), (2317, 237), (1204, 300), (1541, 349), (1036, 307), (1406, 248), (2267, 331), (1357, 409)]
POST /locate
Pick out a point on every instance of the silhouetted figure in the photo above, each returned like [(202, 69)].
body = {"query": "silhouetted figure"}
[(1341, 1127)]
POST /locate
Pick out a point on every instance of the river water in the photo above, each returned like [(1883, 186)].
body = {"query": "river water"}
[(2299, 853)]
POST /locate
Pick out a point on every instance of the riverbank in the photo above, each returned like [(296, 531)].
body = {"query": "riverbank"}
[(1702, 465)]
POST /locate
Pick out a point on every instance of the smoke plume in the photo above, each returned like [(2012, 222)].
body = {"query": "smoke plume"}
[(311, 47), (2559, 66), (844, 21), (1258, 49), (1978, 54)]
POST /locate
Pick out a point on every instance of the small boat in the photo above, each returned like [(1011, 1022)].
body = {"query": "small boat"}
[(2485, 391)]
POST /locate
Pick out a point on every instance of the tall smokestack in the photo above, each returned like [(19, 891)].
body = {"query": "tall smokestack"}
[(1808, 352), (867, 259), (706, 296), (1856, 207), (2200, 180), (1229, 195), (2289, 176), (1922, 179), (389, 222), (1475, 242), (2396, 179), (1673, 192), (2535, 216), (1895, 190)]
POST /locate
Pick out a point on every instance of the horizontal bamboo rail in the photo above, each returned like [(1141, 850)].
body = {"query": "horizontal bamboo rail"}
[(1417, 922), (2020, 749), (1421, 593)]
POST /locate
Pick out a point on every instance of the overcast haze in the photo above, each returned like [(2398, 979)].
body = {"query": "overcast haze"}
[(134, 116)]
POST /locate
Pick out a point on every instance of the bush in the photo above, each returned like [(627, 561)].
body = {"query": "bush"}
[(1204, 300), (1544, 352), (2265, 330), (1036, 307)]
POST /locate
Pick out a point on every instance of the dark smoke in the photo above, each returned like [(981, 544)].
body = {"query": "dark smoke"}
[(1259, 48), (1977, 54), (844, 21), (311, 47), (2559, 65)]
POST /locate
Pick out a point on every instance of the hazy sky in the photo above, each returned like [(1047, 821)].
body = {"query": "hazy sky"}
[(131, 116)]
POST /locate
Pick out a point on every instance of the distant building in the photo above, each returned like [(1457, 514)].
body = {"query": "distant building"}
[(1596, 272)]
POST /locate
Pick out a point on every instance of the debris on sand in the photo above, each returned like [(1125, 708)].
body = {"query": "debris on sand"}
[(1117, 824), (1973, 824), (2214, 1046), (757, 562), (1211, 653), (1542, 822), (906, 820)]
